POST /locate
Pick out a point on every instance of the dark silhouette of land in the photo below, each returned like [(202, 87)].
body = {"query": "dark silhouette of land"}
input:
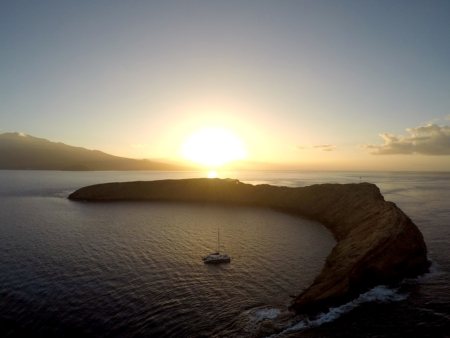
[(376, 242), (19, 151)]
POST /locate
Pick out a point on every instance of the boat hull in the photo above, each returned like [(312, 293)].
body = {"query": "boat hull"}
[(216, 258)]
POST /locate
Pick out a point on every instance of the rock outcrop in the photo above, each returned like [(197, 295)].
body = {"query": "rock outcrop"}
[(376, 242)]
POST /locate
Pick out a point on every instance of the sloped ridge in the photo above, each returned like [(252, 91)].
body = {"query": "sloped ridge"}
[(19, 151), (376, 242)]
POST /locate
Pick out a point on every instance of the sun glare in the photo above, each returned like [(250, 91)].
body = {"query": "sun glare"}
[(213, 147), (212, 174)]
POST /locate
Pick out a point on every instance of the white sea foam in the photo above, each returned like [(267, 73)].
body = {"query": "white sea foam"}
[(434, 271), (379, 294), (265, 313), (256, 316)]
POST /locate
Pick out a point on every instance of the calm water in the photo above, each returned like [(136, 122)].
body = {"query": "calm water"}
[(134, 269)]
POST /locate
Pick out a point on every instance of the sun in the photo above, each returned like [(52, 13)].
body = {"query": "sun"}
[(213, 147)]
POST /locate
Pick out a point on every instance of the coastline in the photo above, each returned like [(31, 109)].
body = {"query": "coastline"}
[(376, 242)]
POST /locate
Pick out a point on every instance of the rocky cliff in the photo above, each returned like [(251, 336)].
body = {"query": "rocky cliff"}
[(376, 242)]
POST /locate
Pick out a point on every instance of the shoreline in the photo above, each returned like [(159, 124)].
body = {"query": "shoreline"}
[(376, 242)]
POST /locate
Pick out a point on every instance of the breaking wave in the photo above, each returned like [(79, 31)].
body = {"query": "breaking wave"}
[(379, 294), (265, 313)]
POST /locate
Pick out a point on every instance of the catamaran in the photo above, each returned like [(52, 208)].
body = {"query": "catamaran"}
[(217, 257)]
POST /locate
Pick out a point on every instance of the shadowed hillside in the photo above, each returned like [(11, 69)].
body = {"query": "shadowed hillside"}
[(19, 151)]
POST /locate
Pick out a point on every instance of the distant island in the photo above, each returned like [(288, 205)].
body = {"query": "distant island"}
[(20, 152), (376, 242)]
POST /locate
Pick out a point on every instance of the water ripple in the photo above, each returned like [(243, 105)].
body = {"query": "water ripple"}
[(134, 269)]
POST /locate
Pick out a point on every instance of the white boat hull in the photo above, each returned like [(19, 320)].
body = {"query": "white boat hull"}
[(216, 258)]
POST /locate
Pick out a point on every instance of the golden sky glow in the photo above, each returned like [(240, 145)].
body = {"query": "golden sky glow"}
[(213, 147), (300, 85)]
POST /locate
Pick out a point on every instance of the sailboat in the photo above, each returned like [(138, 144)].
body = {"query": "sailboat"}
[(217, 257)]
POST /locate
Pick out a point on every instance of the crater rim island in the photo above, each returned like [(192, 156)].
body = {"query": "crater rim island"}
[(377, 243)]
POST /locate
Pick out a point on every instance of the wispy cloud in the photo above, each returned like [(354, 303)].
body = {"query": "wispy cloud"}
[(430, 139), (323, 147)]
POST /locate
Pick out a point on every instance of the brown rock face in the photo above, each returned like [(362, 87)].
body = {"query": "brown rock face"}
[(376, 242)]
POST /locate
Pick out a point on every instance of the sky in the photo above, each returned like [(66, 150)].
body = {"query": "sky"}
[(320, 85)]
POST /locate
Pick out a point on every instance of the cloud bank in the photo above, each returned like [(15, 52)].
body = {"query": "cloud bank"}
[(431, 139)]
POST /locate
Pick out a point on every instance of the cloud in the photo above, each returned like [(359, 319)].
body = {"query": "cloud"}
[(430, 139), (325, 147)]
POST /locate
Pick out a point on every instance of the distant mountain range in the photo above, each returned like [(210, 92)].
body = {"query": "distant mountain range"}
[(20, 151)]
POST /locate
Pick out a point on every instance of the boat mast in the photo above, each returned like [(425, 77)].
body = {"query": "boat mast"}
[(218, 239)]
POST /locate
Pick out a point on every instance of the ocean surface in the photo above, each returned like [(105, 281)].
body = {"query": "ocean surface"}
[(134, 269)]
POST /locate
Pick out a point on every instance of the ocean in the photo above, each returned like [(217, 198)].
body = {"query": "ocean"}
[(134, 269)]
